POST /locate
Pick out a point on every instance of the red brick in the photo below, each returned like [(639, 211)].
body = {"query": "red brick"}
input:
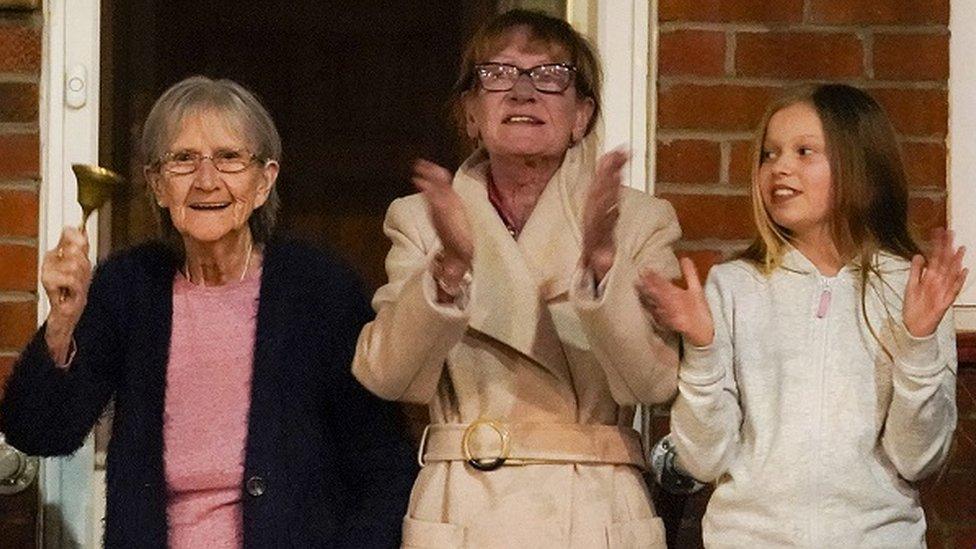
[(740, 163), (798, 55), (18, 213), (926, 214), (879, 12), (688, 161), (713, 216), (18, 102), (704, 260), (963, 537), (950, 497), (786, 11), (911, 56), (20, 156), (6, 366), (722, 107), (18, 321), (21, 49), (916, 112), (964, 454), (18, 268), (966, 391), (925, 164), (691, 52)]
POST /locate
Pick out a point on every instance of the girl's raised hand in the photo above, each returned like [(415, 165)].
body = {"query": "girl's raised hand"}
[(933, 284), (682, 310)]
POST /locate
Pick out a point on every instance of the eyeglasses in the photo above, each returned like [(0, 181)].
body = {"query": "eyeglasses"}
[(548, 78), (224, 161)]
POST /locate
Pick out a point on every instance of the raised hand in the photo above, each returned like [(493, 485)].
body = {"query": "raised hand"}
[(449, 218), (600, 213), (933, 284), (681, 310), (65, 275)]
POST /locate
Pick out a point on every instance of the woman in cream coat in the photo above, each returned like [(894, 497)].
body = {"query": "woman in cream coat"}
[(523, 333)]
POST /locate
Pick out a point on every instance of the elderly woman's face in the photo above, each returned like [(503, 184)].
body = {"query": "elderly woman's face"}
[(207, 204), (523, 121)]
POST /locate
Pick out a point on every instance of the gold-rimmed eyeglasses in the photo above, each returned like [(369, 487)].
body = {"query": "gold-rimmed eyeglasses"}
[(223, 160)]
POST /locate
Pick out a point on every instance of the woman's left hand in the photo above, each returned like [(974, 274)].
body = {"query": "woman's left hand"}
[(933, 285), (600, 213)]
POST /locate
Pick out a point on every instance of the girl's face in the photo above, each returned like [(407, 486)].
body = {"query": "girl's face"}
[(794, 172)]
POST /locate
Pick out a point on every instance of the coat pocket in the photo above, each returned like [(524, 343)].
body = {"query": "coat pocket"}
[(431, 535), (647, 532)]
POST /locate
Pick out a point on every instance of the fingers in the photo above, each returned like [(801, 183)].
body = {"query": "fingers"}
[(915, 273), (690, 273), (430, 177), (609, 168), (66, 270)]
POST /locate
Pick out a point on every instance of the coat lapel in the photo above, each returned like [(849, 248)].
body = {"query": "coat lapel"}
[(515, 279)]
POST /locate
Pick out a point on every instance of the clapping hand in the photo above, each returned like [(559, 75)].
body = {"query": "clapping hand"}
[(933, 284), (682, 310), (600, 213), (450, 220)]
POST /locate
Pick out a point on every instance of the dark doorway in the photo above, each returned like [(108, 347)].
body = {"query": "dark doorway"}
[(357, 89)]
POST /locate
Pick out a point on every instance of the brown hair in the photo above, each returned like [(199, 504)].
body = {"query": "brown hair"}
[(553, 32), (870, 199)]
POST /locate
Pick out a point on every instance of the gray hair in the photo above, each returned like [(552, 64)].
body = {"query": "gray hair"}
[(242, 111)]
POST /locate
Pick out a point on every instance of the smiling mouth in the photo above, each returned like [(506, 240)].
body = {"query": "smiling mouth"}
[(522, 119), (781, 193), (209, 206)]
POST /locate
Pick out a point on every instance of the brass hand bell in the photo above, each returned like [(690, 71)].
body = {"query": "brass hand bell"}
[(95, 187)]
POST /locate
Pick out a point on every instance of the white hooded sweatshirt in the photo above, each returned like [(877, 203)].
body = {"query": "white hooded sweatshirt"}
[(812, 433)]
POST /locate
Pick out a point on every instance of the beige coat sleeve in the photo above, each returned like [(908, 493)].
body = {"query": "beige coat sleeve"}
[(639, 358), (401, 353)]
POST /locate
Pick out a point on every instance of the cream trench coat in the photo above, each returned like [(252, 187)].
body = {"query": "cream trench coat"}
[(532, 344)]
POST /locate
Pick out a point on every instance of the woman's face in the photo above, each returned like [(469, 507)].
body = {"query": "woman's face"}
[(207, 205), (794, 171), (523, 122)]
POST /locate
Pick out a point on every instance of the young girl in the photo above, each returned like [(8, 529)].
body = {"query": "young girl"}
[(818, 378)]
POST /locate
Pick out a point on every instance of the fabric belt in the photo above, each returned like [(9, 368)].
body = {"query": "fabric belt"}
[(487, 444)]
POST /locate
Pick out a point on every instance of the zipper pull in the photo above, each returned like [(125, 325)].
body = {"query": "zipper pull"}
[(824, 304)]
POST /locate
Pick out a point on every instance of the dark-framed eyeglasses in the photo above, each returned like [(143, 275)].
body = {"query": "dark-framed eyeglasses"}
[(547, 78), (223, 160)]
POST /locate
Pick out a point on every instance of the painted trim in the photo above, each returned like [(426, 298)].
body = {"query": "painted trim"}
[(624, 42), (961, 147), (68, 135)]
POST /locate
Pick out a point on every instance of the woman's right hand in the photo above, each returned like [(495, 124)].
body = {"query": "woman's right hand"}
[(448, 216), (682, 310), (65, 274)]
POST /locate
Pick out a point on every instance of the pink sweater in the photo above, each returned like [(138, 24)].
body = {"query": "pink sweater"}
[(208, 395)]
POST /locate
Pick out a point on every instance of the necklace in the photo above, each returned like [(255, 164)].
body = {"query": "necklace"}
[(247, 263), (496, 200)]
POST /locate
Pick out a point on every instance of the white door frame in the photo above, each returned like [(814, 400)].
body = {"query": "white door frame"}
[(626, 41), (68, 135), (961, 147)]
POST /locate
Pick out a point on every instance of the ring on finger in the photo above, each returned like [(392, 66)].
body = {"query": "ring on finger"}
[(60, 253), (612, 208)]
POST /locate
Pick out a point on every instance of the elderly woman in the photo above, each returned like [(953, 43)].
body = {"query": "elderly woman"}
[(226, 351), (531, 373)]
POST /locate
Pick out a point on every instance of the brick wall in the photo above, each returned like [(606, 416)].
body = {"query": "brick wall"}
[(720, 61), (20, 66)]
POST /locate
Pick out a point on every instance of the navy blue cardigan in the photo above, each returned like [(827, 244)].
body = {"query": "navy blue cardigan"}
[(326, 463)]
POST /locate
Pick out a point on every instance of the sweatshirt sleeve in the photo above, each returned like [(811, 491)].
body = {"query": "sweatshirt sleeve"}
[(401, 353), (706, 417), (639, 358), (922, 414)]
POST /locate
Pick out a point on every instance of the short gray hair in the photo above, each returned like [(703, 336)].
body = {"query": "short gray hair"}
[(242, 110)]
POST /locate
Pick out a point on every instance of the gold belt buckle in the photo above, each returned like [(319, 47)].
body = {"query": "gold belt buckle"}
[(486, 464)]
